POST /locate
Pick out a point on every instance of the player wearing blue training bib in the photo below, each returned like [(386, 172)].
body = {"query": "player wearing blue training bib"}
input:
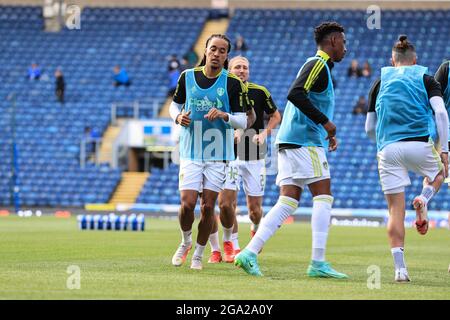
[(209, 103), (306, 134), (400, 109)]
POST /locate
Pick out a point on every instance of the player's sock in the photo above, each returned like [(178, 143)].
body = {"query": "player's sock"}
[(399, 259), (284, 207), (320, 223), (427, 193), (214, 241), (227, 232), (199, 249), (186, 236), (235, 240)]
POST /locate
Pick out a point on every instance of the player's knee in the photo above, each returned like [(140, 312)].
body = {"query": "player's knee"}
[(255, 213), (226, 206), (187, 206), (207, 208)]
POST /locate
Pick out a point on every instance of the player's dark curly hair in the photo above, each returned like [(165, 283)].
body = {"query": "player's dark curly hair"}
[(403, 49), (220, 36), (326, 28)]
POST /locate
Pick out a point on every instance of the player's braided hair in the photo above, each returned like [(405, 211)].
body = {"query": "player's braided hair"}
[(403, 49), (220, 36), (326, 28)]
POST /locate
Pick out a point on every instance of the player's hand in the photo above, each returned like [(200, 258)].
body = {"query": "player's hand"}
[(259, 138), (215, 114), (183, 118), (333, 144), (444, 159), (331, 129)]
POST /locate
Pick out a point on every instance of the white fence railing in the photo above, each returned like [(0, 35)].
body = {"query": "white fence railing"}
[(136, 106)]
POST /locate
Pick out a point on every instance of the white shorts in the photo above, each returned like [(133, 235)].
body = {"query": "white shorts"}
[(196, 175), (396, 159), (252, 174), (302, 166), (232, 176)]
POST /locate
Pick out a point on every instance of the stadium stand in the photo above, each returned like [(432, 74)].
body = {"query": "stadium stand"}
[(279, 42), (47, 134), (140, 39)]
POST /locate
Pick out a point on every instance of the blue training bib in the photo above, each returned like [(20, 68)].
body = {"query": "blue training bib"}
[(206, 140), (297, 128), (402, 106)]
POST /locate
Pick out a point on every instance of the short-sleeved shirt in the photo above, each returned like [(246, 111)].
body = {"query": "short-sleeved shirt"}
[(262, 102)]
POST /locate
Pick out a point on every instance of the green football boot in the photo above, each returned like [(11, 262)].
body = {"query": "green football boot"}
[(247, 260), (319, 269)]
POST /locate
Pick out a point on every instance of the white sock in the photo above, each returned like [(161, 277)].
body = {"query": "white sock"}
[(427, 193), (284, 207), (320, 223), (227, 232), (214, 241), (199, 250), (186, 236), (399, 259), (235, 240)]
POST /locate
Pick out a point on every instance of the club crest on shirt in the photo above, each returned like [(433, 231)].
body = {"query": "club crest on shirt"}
[(220, 91), (325, 165)]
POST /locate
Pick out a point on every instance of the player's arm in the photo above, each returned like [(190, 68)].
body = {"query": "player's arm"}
[(176, 107), (273, 114), (251, 117), (239, 104), (371, 120), (441, 75), (313, 77), (440, 113), (274, 117)]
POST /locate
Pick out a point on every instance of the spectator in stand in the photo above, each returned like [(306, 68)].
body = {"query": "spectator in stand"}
[(173, 81), (121, 77), (34, 72), (361, 106), (173, 63), (354, 70), (240, 45), (91, 138), (60, 85), (191, 57), (366, 70), (184, 65)]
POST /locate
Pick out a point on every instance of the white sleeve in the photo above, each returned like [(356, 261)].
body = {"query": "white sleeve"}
[(174, 110), (441, 117), (371, 125), (238, 120)]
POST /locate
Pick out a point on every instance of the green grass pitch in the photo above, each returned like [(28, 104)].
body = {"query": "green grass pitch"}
[(35, 254)]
